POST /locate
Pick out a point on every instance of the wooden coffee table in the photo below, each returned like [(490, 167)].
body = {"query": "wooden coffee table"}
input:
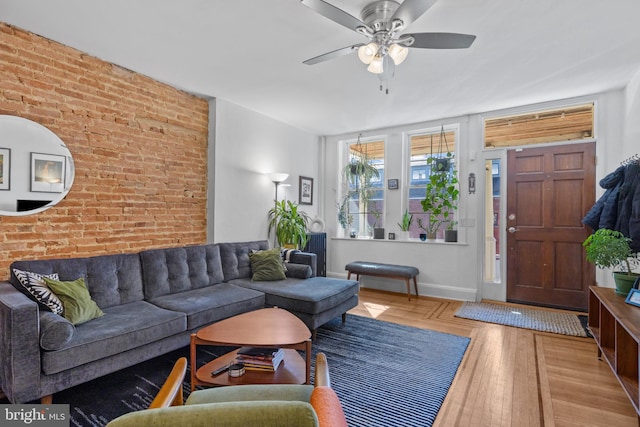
[(268, 327)]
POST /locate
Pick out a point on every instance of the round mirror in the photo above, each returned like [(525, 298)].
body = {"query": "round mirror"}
[(36, 168)]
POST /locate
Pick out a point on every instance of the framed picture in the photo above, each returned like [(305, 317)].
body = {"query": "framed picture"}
[(634, 297), (47, 173), (5, 168), (392, 184), (305, 191), (392, 236)]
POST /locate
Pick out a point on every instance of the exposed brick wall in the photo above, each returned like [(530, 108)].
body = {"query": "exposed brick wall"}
[(139, 146)]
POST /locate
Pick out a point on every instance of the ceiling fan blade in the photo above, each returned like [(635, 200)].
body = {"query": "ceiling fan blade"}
[(410, 10), (333, 54), (333, 13), (441, 40)]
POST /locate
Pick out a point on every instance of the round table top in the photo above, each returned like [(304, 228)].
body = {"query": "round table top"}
[(265, 327)]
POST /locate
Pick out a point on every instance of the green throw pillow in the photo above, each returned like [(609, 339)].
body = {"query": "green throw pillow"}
[(267, 265), (77, 303)]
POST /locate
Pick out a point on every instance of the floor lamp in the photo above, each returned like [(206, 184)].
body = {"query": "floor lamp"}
[(277, 178)]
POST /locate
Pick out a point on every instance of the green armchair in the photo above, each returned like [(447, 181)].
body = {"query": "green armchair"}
[(280, 405)]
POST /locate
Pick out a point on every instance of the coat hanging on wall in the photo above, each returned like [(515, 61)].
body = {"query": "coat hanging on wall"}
[(619, 207)]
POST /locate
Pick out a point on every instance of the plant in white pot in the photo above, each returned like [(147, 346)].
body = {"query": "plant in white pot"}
[(405, 224), (611, 249)]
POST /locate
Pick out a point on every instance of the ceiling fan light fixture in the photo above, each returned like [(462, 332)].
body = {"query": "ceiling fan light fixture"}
[(376, 66), (367, 52), (398, 53)]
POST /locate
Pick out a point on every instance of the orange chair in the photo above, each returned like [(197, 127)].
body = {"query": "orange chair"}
[(170, 393), (259, 405)]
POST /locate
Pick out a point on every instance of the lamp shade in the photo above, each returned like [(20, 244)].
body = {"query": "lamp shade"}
[(398, 53), (367, 52), (376, 66), (278, 176)]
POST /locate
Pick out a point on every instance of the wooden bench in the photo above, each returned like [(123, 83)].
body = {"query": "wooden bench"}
[(400, 272)]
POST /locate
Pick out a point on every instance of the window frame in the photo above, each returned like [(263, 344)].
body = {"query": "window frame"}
[(380, 187), (414, 230)]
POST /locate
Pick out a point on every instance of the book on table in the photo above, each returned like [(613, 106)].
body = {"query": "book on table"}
[(260, 359)]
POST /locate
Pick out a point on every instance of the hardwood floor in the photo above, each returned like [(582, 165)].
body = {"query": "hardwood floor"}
[(511, 376)]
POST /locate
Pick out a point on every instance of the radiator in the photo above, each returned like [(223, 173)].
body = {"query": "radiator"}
[(317, 244)]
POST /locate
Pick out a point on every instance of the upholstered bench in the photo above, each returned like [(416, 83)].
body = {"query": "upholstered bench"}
[(400, 272)]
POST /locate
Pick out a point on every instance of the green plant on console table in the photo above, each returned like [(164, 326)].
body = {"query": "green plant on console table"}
[(611, 249)]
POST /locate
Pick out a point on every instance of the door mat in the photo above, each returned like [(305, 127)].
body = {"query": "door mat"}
[(528, 318)]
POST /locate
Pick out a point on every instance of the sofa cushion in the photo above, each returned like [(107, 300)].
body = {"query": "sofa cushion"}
[(298, 271), (312, 296), (112, 279), (37, 289), (235, 258), (172, 270), (123, 327), (55, 330), (210, 304), (77, 303), (267, 265)]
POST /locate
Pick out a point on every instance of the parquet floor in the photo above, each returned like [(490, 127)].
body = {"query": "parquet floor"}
[(511, 376)]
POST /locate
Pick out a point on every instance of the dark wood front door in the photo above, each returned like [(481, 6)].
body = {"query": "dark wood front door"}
[(549, 190)]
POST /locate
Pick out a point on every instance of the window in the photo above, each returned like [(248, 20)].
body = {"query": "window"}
[(563, 124), (363, 186), (436, 143)]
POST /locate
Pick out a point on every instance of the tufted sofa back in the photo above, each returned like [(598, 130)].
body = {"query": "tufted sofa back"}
[(235, 258), (111, 279), (172, 270)]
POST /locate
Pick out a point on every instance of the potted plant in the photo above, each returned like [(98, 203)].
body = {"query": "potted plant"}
[(429, 229), (405, 224), (289, 223), (451, 232), (441, 197), (378, 232), (611, 249), (345, 219), (357, 178)]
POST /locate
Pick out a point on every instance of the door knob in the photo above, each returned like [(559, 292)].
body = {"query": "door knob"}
[(512, 230)]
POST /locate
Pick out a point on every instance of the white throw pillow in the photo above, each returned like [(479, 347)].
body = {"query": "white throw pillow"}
[(35, 285)]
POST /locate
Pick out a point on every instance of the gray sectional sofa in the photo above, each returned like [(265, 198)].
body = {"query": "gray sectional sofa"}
[(152, 302)]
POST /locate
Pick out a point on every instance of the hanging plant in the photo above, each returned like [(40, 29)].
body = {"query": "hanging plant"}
[(358, 176), (344, 217), (442, 193)]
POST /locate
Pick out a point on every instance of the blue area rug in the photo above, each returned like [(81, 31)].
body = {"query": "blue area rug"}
[(385, 375), (389, 375)]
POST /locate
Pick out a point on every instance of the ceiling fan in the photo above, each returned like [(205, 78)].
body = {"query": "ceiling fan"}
[(382, 22)]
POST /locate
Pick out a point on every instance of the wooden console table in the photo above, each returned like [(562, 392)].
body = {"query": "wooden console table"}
[(615, 325)]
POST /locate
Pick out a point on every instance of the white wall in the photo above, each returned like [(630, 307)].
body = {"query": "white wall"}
[(247, 145), (632, 113)]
